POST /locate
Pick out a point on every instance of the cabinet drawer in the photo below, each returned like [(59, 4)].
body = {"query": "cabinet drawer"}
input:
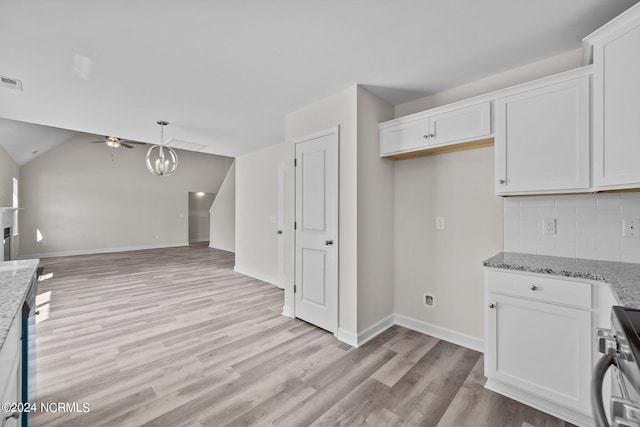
[(540, 288)]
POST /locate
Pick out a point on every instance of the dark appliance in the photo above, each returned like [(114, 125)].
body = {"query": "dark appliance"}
[(620, 347)]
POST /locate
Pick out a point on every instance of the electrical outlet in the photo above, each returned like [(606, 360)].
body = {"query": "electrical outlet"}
[(439, 223), (631, 228), (549, 226)]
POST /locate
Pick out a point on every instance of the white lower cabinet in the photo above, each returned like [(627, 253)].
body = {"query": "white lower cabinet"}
[(539, 342), (11, 374)]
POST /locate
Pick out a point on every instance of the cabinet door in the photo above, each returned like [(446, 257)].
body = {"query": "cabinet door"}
[(462, 124), (404, 136), (542, 139), (616, 110), (11, 394), (541, 348)]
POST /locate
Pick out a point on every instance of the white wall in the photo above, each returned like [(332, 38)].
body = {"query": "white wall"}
[(337, 110), (459, 187), (257, 210), (548, 66), (375, 214), (587, 226), (199, 221), (81, 199), (8, 170), (223, 214), (445, 263)]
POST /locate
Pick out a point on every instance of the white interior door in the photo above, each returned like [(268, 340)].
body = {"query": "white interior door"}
[(280, 230), (316, 230)]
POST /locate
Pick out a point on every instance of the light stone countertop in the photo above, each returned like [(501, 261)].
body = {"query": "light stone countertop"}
[(623, 278), (15, 278)]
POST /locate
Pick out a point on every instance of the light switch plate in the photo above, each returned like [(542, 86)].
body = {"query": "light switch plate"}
[(549, 226), (439, 223)]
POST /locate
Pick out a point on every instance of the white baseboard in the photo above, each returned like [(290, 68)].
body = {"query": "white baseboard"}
[(287, 311), (439, 332), (376, 329), (199, 240), (264, 277), (214, 245), (347, 337), (101, 250)]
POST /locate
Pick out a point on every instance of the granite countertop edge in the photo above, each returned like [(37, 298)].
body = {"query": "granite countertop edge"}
[(623, 278), (15, 278)]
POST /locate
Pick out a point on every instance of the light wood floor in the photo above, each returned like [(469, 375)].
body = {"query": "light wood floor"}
[(173, 337)]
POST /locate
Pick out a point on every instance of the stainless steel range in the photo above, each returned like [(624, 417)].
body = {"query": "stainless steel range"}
[(620, 347)]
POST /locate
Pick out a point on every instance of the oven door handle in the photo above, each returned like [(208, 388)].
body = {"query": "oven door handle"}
[(597, 405)]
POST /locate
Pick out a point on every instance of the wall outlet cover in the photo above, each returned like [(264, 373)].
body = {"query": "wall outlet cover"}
[(549, 226), (631, 228)]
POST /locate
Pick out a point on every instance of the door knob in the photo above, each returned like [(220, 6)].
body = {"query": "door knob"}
[(533, 287), (328, 242), (501, 181), (492, 305), (279, 231)]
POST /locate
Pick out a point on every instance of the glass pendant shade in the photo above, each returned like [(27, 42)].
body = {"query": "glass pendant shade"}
[(161, 160)]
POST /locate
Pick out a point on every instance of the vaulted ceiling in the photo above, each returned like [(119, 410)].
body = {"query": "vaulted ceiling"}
[(225, 73)]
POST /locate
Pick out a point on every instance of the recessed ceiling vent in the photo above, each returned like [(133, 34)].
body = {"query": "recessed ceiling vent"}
[(184, 145), (11, 83)]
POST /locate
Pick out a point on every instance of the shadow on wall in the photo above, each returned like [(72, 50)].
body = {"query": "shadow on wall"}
[(199, 206)]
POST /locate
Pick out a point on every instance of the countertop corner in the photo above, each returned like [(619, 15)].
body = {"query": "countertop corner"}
[(623, 278)]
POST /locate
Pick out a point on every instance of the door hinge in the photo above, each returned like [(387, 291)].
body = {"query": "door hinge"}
[(294, 289), (295, 225), (295, 162)]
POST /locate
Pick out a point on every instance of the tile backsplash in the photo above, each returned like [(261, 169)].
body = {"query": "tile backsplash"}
[(587, 225)]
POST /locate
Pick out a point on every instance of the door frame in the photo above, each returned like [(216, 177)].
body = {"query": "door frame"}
[(331, 131), (281, 223)]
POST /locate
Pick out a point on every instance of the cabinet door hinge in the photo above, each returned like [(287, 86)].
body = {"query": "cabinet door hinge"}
[(294, 289)]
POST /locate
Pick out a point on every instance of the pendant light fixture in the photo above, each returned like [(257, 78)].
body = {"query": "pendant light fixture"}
[(161, 160)]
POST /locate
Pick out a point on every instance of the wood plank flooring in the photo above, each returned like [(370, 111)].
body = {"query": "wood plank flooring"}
[(174, 337)]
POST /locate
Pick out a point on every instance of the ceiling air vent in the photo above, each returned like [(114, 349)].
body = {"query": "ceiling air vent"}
[(11, 83), (184, 145)]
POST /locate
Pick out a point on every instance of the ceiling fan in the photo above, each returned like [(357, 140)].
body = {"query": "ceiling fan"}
[(115, 142)]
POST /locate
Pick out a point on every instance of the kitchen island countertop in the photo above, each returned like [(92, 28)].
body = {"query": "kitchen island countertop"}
[(15, 278), (623, 278)]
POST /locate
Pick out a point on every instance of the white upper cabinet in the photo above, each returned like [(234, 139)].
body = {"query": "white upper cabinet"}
[(616, 96), (404, 136), (460, 124), (444, 126), (542, 136)]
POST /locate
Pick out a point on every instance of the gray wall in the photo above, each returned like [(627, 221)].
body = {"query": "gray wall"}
[(85, 198), (8, 170), (375, 214), (257, 210), (223, 214), (199, 206)]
